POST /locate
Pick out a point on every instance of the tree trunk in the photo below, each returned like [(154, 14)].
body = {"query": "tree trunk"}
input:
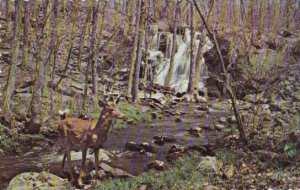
[(41, 59), (140, 35), (26, 34), (11, 79), (92, 60), (176, 20), (135, 48), (226, 77), (191, 85), (199, 57)]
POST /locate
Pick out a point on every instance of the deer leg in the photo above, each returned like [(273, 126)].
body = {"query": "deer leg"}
[(96, 153), (84, 151), (64, 160), (68, 155)]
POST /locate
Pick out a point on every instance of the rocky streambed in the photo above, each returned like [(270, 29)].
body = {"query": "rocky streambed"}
[(132, 151)]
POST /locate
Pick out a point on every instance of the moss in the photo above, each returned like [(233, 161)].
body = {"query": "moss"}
[(133, 112)]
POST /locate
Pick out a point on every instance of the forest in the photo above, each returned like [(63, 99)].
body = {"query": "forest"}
[(149, 94)]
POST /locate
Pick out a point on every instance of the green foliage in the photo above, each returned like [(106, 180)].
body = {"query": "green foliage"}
[(7, 141), (133, 112), (290, 150), (183, 176), (226, 155)]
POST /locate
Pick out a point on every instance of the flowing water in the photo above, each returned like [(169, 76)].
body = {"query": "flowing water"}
[(181, 68), (50, 159)]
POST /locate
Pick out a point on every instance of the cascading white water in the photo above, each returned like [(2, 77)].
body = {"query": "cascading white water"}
[(181, 69)]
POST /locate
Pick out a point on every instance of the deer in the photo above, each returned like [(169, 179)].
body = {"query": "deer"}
[(82, 134)]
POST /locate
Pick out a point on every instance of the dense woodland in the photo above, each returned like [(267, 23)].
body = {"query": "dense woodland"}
[(209, 93)]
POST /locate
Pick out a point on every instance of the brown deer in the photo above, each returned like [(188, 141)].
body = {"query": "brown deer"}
[(78, 133)]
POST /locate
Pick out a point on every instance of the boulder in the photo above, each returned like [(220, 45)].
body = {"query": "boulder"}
[(40, 181), (157, 165), (210, 165)]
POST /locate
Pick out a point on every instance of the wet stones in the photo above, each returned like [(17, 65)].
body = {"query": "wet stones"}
[(116, 172), (195, 130), (157, 165), (143, 147), (219, 126), (177, 148), (175, 152), (178, 119), (28, 180), (161, 140)]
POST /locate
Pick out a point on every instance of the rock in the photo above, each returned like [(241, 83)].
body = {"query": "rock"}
[(177, 148), (106, 167), (154, 115), (127, 154), (157, 165), (161, 140), (114, 171), (133, 146), (210, 165), (202, 108), (147, 147), (104, 155), (172, 157), (40, 181), (143, 187), (211, 187), (219, 126), (195, 130), (101, 174), (200, 99), (121, 173), (231, 119), (178, 119), (222, 120), (206, 150), (143, 147)]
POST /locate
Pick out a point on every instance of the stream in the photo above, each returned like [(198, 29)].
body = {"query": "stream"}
[(50, 160)]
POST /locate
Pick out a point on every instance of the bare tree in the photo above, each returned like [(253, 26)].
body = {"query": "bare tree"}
[(92, 60), (26, 33), (135, 48), (11, 79), (41, 58), (192, 82), (140, 35), (226, 76), (176, 20)]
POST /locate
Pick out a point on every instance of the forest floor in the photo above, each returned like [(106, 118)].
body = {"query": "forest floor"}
[(166, 153)]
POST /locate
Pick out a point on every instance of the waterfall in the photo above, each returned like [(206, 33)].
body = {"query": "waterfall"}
[(181, 69)]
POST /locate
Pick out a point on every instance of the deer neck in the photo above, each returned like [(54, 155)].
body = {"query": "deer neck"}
[(103, 123)]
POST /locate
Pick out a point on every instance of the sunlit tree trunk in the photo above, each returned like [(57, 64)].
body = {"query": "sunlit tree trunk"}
[(140, 35), (12, 77), (26, 33), (176, 20), (91, 51), (41, 64), (192, 82), (135, 48)]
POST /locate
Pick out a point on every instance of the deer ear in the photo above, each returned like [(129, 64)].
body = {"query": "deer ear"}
[(101, 103)]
